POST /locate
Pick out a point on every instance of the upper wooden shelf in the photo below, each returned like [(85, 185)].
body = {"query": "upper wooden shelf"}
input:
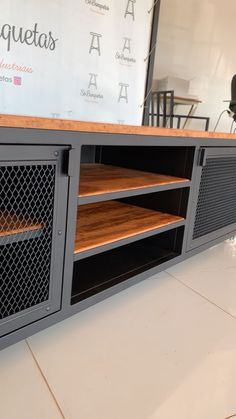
[(98, 179), (107, 222), (12, 224), (13, 121)]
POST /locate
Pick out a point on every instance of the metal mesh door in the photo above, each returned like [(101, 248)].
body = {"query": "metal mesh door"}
[(26, 222), (32, 204), (214, 214), (216, 206)]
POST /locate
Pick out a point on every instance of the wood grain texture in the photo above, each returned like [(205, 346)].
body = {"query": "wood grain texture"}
[(97, 179), (186, 100), (13, 121), (102, 223), (14, 224)]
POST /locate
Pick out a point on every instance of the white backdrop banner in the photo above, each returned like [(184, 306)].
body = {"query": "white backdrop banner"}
[(75, 59)]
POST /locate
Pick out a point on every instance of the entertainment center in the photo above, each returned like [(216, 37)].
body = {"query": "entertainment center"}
[(89, 209)]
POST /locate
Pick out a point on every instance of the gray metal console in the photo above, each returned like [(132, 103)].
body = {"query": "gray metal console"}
[(88, 210)]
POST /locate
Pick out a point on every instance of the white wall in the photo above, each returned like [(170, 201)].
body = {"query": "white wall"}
[(196, 41)]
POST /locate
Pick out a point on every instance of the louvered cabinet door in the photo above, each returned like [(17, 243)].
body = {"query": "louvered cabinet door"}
[(213, 212)]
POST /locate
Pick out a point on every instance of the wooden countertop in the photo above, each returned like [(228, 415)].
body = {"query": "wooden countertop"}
[(13, 121)]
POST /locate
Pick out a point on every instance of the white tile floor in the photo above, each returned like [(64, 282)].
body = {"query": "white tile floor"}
[(163, 349)]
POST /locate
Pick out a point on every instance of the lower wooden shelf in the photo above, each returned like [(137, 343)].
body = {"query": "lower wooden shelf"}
[(110, 221), (14, 225)]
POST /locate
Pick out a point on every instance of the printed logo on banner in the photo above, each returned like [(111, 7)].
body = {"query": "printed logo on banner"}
[(123, 56), (91, 94), (97, 7), (130, 9), (6, 79), (17, 81), (10, 34), (123, 94), (15, 67), (95, 43)]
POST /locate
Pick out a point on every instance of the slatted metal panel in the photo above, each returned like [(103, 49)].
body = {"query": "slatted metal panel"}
[(26, 225), (216, 207)]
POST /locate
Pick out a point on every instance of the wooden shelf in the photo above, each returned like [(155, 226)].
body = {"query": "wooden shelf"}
[(98, 179), (12, 224), (107, 222)]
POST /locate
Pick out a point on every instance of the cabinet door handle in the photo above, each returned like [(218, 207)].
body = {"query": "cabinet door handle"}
[(202, 157)]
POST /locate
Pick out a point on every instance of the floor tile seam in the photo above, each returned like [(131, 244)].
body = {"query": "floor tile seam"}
[(202, 296), (45, 379)]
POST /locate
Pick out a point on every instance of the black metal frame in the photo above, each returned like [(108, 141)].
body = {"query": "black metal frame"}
[(162, 108), (161, 111), (200, 118), (151, 62)]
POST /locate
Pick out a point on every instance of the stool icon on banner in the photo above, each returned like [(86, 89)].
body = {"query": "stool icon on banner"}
[(95, 43), (130, 8), (123, 92), (93, 80), (127, 45)]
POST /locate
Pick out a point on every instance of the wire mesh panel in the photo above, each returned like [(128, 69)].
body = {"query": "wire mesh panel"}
[(216, 207), (26, 226)]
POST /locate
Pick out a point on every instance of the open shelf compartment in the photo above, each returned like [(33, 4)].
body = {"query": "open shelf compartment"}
[(115, 172), (97, 273), (107, 222), (101, 179)]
